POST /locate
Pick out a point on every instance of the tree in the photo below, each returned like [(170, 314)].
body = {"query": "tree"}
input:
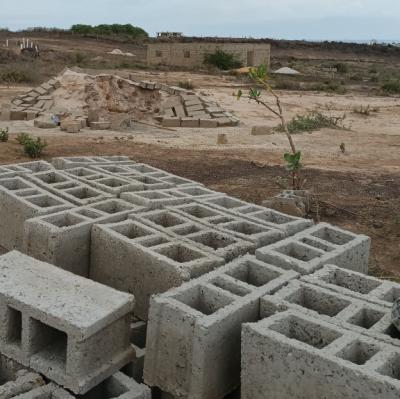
[(259, 76)]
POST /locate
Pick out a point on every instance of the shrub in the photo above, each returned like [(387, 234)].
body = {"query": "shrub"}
[(313, 121), (33, 147), (186, 84), (392, 87), (109, 30), (22, 137), (15, 76), (341, 67), (4, 135), (330, 87), (222, 60)]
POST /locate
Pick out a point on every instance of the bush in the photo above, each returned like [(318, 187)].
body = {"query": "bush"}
[(392, 87), (33, 147), (341, 67), (222, 60), (15, 76), (330, 87), (186, 84), (314, 121), (110, 30), (22, 137), (4, 135)]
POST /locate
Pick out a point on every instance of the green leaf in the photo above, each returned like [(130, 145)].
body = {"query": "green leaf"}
[(239, 94)]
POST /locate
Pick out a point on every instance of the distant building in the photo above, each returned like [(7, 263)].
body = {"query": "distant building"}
[(169, 35), (192, 53)]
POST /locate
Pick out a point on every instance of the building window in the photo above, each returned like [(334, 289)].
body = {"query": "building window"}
[(187, 54), (159, 53)]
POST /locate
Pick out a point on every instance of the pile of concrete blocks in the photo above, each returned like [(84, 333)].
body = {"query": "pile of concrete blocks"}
[(189, 293), (29, 105)]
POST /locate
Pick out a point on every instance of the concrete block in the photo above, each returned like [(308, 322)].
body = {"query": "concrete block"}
[(40, 90), (318, 246), (361, 317), (44, 123), (224, 121), (261, 130), (5, 112), (49, 391), (190, 122), (258, 214), (241, 228), (93, 115), (21, 169), (20, 201), (157, 199), (55, 322), (208, 123), (15, 379), (30, 115), (64, 238), (297, 356), (171, 122), (73, 126), (148, 262), (193, 108), (18, 115), (76, 162), (68, 188), (224, 245), (195, 329), (100, 125), (179, 111), (357, 285)]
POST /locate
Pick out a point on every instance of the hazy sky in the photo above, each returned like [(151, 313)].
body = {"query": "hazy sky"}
[(295, 19)]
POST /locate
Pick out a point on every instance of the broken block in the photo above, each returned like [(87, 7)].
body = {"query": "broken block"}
[(55, 323)]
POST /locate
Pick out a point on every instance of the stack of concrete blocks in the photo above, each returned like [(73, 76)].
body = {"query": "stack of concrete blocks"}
[(135, 258), (55, 322), (33, 103), (195, 329), (16, 379), (63, 163), (63, 239), (22, 169)]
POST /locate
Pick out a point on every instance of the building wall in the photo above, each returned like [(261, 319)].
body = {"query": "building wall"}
[(192, 54)]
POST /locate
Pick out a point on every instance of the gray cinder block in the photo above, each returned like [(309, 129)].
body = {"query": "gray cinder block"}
[(64, 238), (68, 188), (21, 200), (317, 246), (297, 356), (357, 285), (348, 312), (49, 391), (208, 239), (15, 379), (258, 214), (195, 329), (259, 234), (156, 199), (76, 162), (132, 257), (55, 322)]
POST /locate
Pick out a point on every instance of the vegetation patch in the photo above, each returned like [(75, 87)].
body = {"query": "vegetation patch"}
[(314, 121), (222, 60), (392, 87)]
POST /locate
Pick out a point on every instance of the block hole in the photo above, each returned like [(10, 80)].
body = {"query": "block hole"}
[(180, 253), (44, 201), (186, 230), (392, 332), (350, 281), (132, 230), (317, 244), (358, 352), (391, 368), (138, 334), (305, 331), (230, 286), (83, 193), (64, 220), (253, 273), (153, 195), (88, 213), (153, 241), (392, 294), (48, 344), (111, 207), (199, 211), (213, 240), (165, 219), (14, 326), (246, 228), (204, 299), (51, 178), (366, 318), (333, 236), (176, 180), (299, 252), (273, 217), (320, 302), (226, 202), (13, 184), (81, 172), (113, 182)]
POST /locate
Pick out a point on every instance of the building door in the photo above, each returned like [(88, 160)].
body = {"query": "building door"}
[(250, 58)]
